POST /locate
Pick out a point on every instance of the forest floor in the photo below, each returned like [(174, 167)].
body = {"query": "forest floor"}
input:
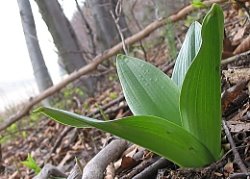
[(50, 142)]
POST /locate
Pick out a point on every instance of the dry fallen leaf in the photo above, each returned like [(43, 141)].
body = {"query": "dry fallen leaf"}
[(228, 168), (241, 114), (128, 162), (235, 75), (227, 48), (239, 35), (230, 95), (243, 47)]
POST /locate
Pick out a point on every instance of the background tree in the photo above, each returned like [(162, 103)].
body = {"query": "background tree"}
[(40, 70), (106, 31), (64, 38)]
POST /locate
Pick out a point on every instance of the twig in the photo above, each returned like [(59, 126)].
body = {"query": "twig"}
[(228, 152), (109, 112), (140, 167), (106, 106), (244, 56), (237, 157), (116, 20), (168, 67), (239, 175), (152, 169), (102, 73), (99, 59), (97, 165), (139, 28)]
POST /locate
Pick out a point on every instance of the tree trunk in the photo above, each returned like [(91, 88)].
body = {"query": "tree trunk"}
[(107, 34), (64, 38), (40, 70)]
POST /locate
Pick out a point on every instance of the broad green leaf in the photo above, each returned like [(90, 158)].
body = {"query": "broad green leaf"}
[(200, 94), (148, 91), (154, 133), (189, 50)]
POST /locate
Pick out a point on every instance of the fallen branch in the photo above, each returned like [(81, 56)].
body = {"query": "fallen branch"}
[(48, 171), (100, 58), (96, 166)]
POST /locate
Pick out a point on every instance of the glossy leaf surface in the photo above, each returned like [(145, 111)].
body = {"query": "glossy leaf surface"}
[(189, 50), (200, 95), (156, 134), (148, 91)]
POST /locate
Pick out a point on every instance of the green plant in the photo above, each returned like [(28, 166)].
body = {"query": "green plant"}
[(177, 118), (31, 164), (64, 98), (198, 3)]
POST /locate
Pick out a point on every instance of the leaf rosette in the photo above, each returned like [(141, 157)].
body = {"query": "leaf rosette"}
[(178, 118)]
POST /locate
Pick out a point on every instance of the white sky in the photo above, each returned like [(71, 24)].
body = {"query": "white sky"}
[(15, 64)]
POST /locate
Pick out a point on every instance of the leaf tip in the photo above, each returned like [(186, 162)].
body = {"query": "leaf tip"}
[(196, 24), (216, 9), (120, 57), (38, 110)]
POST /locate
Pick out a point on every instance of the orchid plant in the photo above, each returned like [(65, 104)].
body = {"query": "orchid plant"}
[(178, 118)]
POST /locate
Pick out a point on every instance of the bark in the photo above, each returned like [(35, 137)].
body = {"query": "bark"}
[(107, 34), (90, 42), (50, 171), (96, 166), (64, 38), (40, 70)]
